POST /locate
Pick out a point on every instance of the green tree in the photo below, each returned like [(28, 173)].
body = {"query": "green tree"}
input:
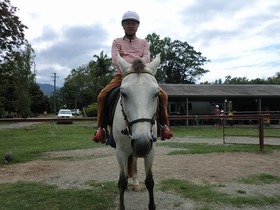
[(11, 30), (23, 77), (75, 87), (84, 83), (219, 81), (180, 63), (8, 98), (275, 79), (16, 82), (39, 102), (16, 62), (236, 80), (18, 89), (243, 80), (101, 70)]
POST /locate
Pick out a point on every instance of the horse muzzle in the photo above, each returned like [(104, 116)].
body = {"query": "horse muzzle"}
[(141, 146)]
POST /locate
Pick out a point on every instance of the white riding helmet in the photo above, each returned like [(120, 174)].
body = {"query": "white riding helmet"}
[(131, 15)]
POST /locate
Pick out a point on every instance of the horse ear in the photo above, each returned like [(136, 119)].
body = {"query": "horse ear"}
[(124, 66), (152, 66)]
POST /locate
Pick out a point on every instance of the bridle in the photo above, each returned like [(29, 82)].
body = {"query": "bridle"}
[(127, 130)]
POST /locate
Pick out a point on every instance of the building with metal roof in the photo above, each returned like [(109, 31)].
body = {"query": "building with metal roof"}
[(202, 98)]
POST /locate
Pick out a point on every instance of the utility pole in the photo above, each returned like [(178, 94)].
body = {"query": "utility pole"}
[(54, 91)]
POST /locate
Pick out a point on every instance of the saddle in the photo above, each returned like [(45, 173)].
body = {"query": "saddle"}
[(110, 104)]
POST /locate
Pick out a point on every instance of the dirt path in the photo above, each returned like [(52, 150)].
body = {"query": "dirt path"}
[(18, 125), (73, 168)]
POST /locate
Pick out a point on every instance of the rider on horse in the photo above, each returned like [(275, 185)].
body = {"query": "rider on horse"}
[(130, 48)]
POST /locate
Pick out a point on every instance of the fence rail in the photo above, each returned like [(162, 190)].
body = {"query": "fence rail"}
[(262, 120), (53, 119)]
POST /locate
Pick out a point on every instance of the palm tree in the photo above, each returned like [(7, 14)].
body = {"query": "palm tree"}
[(103, 64)]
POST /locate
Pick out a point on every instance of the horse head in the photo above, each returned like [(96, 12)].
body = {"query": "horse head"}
[(139, 101)]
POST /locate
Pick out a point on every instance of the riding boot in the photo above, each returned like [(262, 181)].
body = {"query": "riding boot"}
[(101, 135), (163, 129)]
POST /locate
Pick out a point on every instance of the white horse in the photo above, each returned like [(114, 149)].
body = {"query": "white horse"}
[(134, 125)]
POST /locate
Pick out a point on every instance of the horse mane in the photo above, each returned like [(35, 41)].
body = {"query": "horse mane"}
[(138, 65)]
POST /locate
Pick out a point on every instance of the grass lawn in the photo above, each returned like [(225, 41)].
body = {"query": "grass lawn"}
[(29, 142)]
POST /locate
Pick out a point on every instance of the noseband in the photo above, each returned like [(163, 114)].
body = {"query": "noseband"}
[(127, 130)]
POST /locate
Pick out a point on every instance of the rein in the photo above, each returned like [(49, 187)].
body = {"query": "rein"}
[(127, 130)]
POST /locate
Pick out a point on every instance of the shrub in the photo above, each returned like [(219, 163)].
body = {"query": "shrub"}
[(91, 110)]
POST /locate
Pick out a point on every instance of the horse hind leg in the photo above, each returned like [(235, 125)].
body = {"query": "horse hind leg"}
[(132, 173), (133, 164), (149, 182), (122, 184)]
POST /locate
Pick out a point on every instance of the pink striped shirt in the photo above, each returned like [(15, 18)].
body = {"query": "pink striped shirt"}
[(137, 49)]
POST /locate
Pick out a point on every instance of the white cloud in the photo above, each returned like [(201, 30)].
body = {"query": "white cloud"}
[(241, 38)]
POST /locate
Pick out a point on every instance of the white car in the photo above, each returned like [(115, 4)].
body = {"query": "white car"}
[(65, 114)]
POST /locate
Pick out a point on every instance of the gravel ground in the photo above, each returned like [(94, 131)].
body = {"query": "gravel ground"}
[(100, 164)]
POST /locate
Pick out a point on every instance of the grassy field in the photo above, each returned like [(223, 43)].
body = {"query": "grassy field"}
[(39, 196), (208, 195), (211, 132), (28, 143)]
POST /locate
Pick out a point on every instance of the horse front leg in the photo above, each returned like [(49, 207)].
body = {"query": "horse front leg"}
[(122, 158), (149, 182), (122, 184)]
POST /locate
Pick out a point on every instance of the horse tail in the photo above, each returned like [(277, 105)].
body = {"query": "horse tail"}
[(130, 166)]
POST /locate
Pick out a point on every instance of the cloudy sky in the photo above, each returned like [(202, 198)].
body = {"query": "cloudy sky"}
[(241, 38)]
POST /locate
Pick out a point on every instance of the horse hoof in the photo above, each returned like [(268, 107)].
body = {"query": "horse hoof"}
[(136, 188)]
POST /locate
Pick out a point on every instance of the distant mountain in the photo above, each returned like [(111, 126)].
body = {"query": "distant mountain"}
[(47, 89)]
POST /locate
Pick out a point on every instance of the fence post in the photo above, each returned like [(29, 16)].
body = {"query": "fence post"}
[(261, 131), (224, 133)]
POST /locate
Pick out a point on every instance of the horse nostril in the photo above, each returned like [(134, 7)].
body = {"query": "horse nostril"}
[(141, 147)]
